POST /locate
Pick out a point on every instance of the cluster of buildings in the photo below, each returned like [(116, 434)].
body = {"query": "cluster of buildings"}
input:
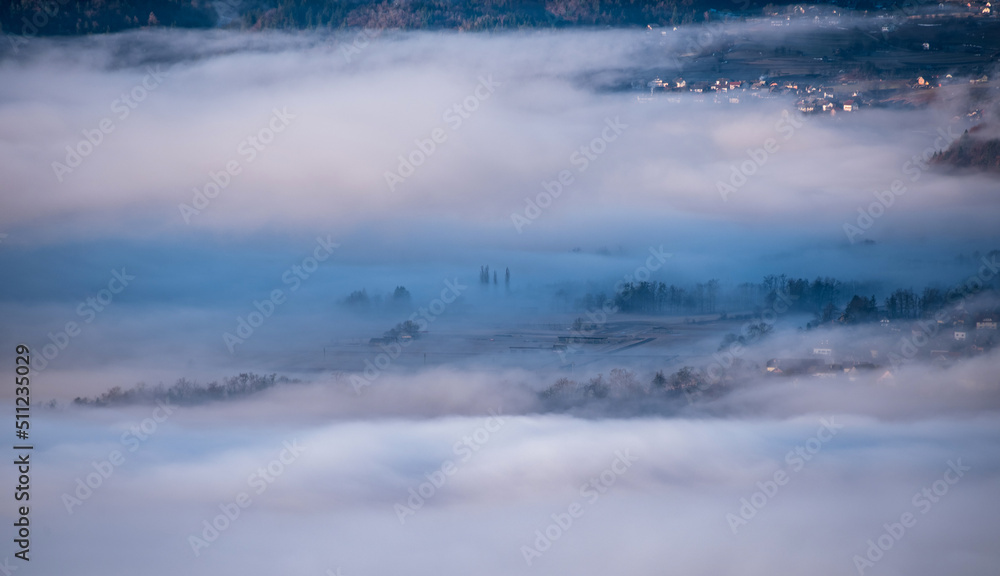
[(965, 337), (848, 96), (812, 99), (943, 342)]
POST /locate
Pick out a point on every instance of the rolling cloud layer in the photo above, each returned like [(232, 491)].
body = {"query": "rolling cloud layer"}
[(208, 170)]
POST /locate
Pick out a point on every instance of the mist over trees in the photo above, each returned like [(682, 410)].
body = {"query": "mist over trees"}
[(484, 276), (399, 299), (186, 392), (825, 298), (661, 393), (358, 300), (971, 151), (408, 328), (710, 298)]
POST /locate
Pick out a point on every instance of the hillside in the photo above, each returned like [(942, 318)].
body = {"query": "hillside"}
[(73, 17), (975, 149)]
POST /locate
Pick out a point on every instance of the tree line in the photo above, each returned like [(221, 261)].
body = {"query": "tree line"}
[(399, 299), (186, 392), (484, 276), (826, 298), (73, 17), (625, 386)]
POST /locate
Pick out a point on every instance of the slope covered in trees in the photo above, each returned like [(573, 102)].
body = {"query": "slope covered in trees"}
[(972, 150), (30, 18), (186, 392), (827, 299), (69, 17)]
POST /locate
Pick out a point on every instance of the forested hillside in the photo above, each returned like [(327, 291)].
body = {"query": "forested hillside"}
[(71, 17)]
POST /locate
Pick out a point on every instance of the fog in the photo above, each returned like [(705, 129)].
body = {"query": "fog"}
[(334, 506), (351, 114), (325, 207)]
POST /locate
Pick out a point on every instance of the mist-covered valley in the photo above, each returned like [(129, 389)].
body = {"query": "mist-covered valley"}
[(441, 302)]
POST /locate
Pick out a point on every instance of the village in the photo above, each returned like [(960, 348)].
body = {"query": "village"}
[(846, 97), (939, 341), (829, 60)]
